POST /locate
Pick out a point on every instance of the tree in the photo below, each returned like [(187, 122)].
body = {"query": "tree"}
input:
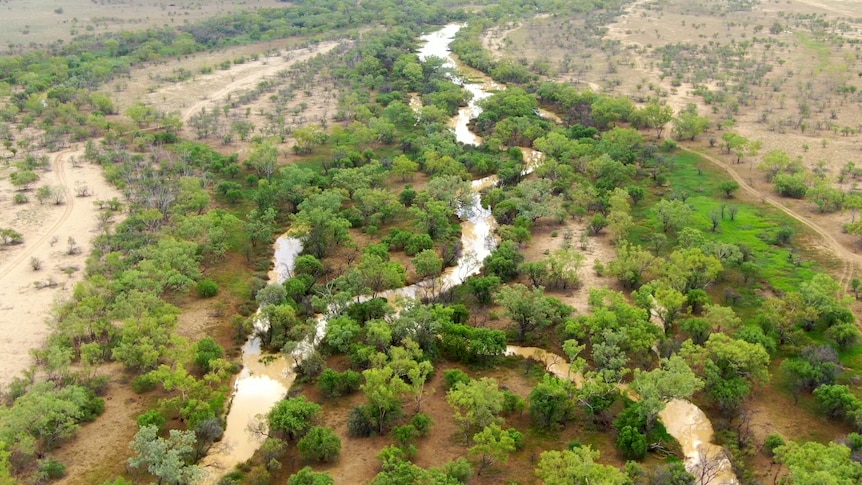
[(169, 459), (320, 444), (655, 116), (577, 467), (673, 214), (551, 402), (493, 445), (307, 137), (632, 443), (531, 309), (813, 463), (264, 159), (404, 168), (374, 275), (307, 476), (674, 379), (477, 403), (688, 125), (10, 236), (730, 368), (383, 389), (23, 179), (728, 187), (292, 417), (259, 226), (207, 350)]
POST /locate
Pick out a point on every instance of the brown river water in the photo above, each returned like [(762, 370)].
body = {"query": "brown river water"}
[(265, 379)]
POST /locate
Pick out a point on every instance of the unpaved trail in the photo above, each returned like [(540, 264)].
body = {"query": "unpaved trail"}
[(206, 91), (27, 296), (851, 259), (60, 171)]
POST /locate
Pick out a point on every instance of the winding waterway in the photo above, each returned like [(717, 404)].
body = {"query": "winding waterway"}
[(265, 380)]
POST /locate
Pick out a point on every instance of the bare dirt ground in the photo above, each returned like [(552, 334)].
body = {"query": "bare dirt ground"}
[(598, 248), (97, 454), (25, 308), (44, 21)]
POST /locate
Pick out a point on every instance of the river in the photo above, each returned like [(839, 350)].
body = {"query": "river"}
[(265, 380)]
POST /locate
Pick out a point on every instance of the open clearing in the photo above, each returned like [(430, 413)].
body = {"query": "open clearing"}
[(45, 21)]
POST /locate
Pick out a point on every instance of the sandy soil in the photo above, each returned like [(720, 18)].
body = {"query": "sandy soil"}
[(598, 248), (40, 21), (25, 309)]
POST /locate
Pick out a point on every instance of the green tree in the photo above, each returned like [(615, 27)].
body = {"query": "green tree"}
[(577, 467), (292, 417), (688, 125), (307, 476), (493, 445), (169, 459), (731, 368), (23, 179), (264, 159), (728, 187), (673, 215), (530, 309), (674, 379), (383, 389), (655, 116), (404, 168), (813, 463), (551, 402), (307, 137), (320, 444), (477, 403)]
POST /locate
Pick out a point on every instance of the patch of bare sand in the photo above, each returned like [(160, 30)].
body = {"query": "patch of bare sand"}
[(24, 308), (207, 90), (598, 248)]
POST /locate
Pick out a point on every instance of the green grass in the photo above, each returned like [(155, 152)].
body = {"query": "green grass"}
[(754, 226), (820, 49)]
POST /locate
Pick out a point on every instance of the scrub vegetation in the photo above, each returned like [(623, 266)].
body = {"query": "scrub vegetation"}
[(638, 265)]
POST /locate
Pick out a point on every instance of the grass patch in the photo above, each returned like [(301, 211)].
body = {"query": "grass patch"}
[(820, 49), (754, 226)]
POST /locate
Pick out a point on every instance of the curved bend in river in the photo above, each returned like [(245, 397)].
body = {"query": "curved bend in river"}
[(265, 381)]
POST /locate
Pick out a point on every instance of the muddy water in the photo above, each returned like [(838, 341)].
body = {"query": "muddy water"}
[(692, 428), (683, 420), (263, 381)]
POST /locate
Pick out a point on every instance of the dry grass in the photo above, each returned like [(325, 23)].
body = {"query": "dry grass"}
[(45, 21)]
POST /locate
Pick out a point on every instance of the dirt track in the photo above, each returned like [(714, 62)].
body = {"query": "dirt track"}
[(851, 259)]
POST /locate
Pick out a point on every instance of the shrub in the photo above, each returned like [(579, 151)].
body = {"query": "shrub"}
[(20, 199), (459, 470), (52, 469), (517, 437), (359, 422), (151, 418), (454, 376), (307, 476), (418, 243), (405, 435), (319, 444), (144, 383), (333, 384), (631, 443), (422, 422), (772, 442), (207, 288), (513, 403)]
